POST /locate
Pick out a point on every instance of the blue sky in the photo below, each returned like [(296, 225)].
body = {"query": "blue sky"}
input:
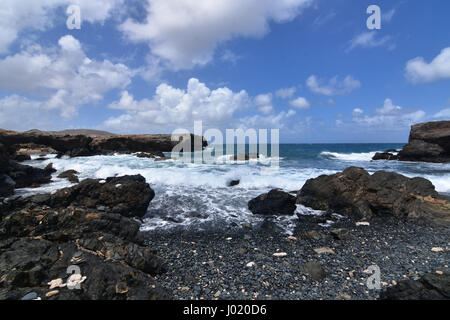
[(310, 68)]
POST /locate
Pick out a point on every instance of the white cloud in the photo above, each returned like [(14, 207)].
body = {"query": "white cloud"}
[(334, 86), (186, 33), (286, 93), (443, 114), (19, 113), (277, 121), (17, 16), (64, 75), (264, 103), (419, 71), (369, 40), (171, 108), (389, 116), (300, 103)]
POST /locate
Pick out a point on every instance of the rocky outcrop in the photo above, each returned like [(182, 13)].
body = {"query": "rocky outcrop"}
[(354, 192), (41, 245), (127, 195), (385, 156), (276, 202), (74, 144), (428, 142), (70, 175), (432, 286)]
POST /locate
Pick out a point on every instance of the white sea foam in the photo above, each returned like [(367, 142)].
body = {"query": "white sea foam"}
[(363, 156)]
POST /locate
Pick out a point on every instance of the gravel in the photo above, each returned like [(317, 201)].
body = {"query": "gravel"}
[(209, 265)]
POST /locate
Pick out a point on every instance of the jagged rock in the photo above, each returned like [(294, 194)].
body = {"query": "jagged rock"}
[(26, 176), (39, 243), (385, 156), (127, 195), (70, 175), (432, 286), (354, 192), (21, 157), (151, 155), (276, 202)]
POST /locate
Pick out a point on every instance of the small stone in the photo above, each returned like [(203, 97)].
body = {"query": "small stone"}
[(56, 283), (437, 249), (51, 293), (439, 272), (30, 296), (250, 264), (344, 296), (362, 223), (324, 250), (229, 239), (280, 254), (217, 294), (314, 269), (340, 234), (292, 238)]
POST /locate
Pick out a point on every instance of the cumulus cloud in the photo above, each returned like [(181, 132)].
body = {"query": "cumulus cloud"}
[(389, 116), (443, 114), (277, 121), (264, 103), (286, 93), (334, 86), (17, 16), (64, 76), (171, 108), (419, 71), (186, 33), (300, 103), (369, 39)]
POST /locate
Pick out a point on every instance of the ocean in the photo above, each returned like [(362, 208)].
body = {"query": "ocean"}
[(196, 196)]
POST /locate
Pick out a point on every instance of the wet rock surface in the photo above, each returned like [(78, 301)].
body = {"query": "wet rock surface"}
[(276, 202), (41, 245), (354, 192), (127, 195)]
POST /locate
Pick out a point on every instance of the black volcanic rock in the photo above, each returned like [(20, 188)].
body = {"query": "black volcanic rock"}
[(39, 243), (77, 144), (432, 286), (354, 192), (127, 195), (428, 142), (385, 156), (276, 202)]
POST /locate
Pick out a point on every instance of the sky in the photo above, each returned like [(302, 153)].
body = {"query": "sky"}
[(311, 68)]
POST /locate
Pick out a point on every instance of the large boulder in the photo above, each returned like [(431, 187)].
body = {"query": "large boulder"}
[(38, 245), (128, 195), (7, 185), (27, 176), (276, 202), (354, 192), (428, 142), (432, 286)]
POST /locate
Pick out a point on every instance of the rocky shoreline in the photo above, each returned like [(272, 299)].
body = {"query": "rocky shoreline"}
[(84, 242)]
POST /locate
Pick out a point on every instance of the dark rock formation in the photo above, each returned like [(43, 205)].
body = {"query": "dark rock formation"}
[(385, 156), (75, 144), (355, 192), (432, 286), (41, 244), (276, 202), (127, 195), (26, 176), (7, 185), (70, 175), (428, 142), (151, 155), (233, 183)]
